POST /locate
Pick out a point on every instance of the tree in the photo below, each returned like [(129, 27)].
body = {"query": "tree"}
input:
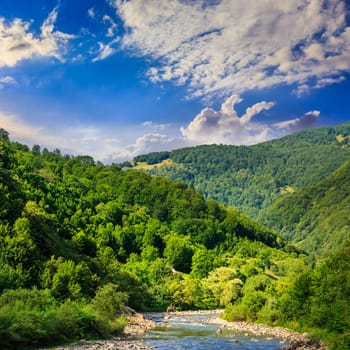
[(202, 262), (19, 247), (178, 252), (36, 150), (109, 301), (224, 285), (4, 135), (66, 279)]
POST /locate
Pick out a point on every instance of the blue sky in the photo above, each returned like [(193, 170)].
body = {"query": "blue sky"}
[(115, 78)]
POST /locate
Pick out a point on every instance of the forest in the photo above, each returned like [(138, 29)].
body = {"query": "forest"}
[(317, 217), (81, 242), (251, 178)]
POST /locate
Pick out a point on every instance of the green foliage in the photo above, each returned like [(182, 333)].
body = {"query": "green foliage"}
[(66, 279), (79, 240), (187, 294), (256, 294), (178, 253), (313, 300), (108, 304), (315, 217), (153, 158), (224, 285), (202, 263), (252, 178), (33, 318), (320, 298)]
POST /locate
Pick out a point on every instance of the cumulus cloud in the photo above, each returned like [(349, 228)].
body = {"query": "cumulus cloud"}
[(18, 43), (226, 127), (233, 46), (150, 142), (108, 144), (307, 121)]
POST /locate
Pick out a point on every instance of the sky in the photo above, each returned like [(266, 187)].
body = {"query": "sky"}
[(116, 78)]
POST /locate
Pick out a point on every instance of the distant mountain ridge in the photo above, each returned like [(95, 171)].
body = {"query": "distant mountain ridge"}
[(253, 177)]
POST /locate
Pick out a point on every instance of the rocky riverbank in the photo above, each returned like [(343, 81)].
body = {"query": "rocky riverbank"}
[(139, 323), (119, 343), (290, 340)]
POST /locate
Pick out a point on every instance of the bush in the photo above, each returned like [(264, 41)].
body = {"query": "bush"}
[(25, 317), (29, 318), (73, 321), (236, 312), (109, 302), (117, 325)]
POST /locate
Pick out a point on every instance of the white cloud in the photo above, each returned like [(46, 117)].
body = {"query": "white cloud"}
[(105, 50), (226, 127), (304, 89), (108, 144), (308, 120), (112, 25), (151, 142), (234, 46), (91, 13), (328, 81), (155, 126), (7, 80), (17, 43), (17, 129)]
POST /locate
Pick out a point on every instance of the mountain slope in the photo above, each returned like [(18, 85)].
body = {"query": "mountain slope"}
[(63, 197), (252, 178), (79, 241), (316, 217)]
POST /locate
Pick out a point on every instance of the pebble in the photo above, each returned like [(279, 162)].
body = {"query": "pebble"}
[(111, 344)]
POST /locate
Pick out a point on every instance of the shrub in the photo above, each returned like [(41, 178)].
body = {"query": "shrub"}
[(29, 318), (236, 312), (109, 302)]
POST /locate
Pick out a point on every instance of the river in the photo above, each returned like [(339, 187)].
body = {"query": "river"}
[(199, 330), (179, 332)]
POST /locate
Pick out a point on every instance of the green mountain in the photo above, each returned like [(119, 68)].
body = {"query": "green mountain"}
[(252, 178), (298, 186), (316, 217), (80, 240)]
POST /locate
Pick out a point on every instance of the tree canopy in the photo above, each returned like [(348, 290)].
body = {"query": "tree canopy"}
[(80, 241), (251, 178)]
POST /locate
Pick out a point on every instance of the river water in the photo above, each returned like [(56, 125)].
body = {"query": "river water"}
[(180, 332)]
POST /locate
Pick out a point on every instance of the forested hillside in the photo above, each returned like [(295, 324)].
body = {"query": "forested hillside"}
[(317, 217), (252, 178), (81, 241)]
